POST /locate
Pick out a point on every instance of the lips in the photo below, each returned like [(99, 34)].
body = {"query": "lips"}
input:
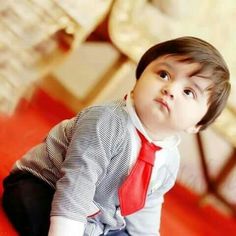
[(163, 103)]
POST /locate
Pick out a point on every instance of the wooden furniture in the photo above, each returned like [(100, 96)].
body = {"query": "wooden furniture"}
[(38, 35), (226, 126)]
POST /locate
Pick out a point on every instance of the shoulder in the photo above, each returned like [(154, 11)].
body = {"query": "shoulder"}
[(172, 157), (172, 166), (105, 124), (107, 120), (107, 112), (171, 151)]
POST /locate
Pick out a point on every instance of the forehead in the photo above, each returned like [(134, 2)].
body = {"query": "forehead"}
[(173, 62), (186, 63)]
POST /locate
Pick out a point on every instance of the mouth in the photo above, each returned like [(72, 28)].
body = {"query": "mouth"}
[(163, 103)]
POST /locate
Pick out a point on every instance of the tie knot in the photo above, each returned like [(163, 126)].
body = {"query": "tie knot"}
[(150, 146), (147, 151)]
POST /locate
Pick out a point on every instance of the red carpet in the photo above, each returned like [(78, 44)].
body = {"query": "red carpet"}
[(181, 214)]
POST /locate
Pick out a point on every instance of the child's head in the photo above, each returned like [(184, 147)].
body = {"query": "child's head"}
[(191, 50)]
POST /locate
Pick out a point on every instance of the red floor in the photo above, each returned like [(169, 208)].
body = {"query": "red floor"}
[(181, 214)]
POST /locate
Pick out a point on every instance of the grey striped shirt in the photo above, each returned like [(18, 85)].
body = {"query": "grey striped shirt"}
[(86, 159)]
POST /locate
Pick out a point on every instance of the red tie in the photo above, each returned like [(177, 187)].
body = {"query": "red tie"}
[(133, 191)]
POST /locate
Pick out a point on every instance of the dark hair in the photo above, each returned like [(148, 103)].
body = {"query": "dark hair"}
[(195, 50)]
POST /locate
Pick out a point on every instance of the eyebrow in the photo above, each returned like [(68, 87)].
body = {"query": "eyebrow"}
[(197, 87), (167, 65)]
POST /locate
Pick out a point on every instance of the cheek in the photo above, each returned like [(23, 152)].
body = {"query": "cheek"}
[(140, 93), (193, 115), (137, 99), (202, 109), (186, 112)]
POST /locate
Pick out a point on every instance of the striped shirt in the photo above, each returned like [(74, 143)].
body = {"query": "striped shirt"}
[(87, 158)]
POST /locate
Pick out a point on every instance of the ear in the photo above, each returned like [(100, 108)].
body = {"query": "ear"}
[(193, 129)]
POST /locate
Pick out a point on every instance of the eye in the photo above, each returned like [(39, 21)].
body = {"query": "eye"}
[(190, 93), (164, 75)]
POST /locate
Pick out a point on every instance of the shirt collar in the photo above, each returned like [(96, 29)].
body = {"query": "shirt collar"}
[(168, 142)]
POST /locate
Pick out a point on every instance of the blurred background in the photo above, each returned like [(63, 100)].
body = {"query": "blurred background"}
[(59, 56)]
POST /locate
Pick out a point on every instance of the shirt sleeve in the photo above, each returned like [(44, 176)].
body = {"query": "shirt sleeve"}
[(93, 143), (61, 226)]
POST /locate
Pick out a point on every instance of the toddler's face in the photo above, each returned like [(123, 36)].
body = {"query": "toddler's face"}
[(169, 97)]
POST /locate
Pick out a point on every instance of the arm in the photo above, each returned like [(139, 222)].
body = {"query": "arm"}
[(61, 226), (85, 164)]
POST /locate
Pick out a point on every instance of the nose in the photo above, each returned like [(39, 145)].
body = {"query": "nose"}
[(168, 92)]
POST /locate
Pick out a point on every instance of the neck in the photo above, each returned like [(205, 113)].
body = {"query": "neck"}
[(159, 134)]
